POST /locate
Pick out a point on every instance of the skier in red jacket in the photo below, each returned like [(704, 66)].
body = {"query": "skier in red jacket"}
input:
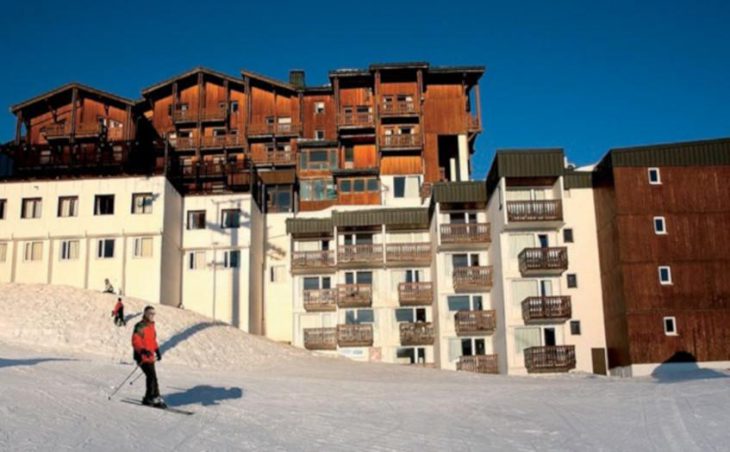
[(118, 313), (146, 352)]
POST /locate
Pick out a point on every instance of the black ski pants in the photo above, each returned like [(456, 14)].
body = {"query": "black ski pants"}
[(153, 389)]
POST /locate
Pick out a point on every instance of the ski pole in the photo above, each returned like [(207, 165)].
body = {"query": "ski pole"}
[(135, 379), (122, 383)]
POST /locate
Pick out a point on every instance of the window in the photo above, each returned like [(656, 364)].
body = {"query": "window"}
[(278, 273), (318, 108), (33, 251), (278, 198), (234, 106), (105, 249), (317, 190), (104, 205), (231, 259), (572, 280), (568, 235), (196, 219), (410, 315), (196, 260), (358, 316), (3, 251), (470, 347), (654, 176), (359, 185), (142, 203), (575, 327), (318, 159), (670, 326), (411, 355), (68, 206), (665, 275), (349, 156), (399, 187), (31, 208), (319, 135), (2, 208), (231, 218), (143, 247), (465, 303), (660, 226), (69, 250)]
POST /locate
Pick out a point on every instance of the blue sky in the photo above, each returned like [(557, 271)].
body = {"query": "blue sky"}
[(559, 73)]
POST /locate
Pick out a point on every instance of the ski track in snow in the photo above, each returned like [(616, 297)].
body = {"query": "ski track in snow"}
[(60, 357)]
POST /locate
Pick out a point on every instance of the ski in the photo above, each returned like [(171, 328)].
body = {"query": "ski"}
[(170, 409)]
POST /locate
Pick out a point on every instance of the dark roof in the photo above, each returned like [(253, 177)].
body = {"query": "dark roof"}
[(405, 65), (186, 74), (359, 72), (350, 72), (578, 179), (67, 87), (309, 226), (688, 153), (549, 162), (268, 80), (312, 143), (459, 192), (401, 217), (457, 69), (327, 88)]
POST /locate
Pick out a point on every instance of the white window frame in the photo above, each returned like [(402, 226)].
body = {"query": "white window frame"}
[(101, 246), (73, 210), (137, 248), (654, 170), (65, 250), (28, 251), (663, 231), (319, 135), (674, 326), (669, 274), (192, 261), (227, 259), (319, 108), (35, 211), (97, 205), (145, 208)]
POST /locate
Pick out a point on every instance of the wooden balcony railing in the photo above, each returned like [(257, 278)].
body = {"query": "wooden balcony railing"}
[(312, 260), (115, 134), (354, 295), (206, 114), (320, 300), (475, 323), (464, 233), (320, 338), (473, 123), (235, 141), (550, 309), (483, 364), (556, 358), (355, 335), (407, 253), (184, 143), (356, 119), (360, 254), (474, 279), (543, 260), (274, 129), (538, 210), (419, 333), (274, 158), (56, 131), (221, 141), (415, 293), (397, 108), (412, 140), (88, 129)]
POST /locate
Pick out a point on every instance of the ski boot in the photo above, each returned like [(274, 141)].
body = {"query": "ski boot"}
[(157, 402)]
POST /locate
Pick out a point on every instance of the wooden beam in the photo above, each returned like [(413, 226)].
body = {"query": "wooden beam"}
[(247, 119), (376, 112), (18, 127), (200, 112), (478, 100), (74, 99), (128, 125), (226, 88), (301, 113), (337, 100)]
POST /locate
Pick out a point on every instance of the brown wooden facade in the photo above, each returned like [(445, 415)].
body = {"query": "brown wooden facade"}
[(694, 200)]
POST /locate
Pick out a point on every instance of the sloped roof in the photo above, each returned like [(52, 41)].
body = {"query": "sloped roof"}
[(268, 80), (688, 153), (305, 226), (460, 192), (189, 73), (68, 87)]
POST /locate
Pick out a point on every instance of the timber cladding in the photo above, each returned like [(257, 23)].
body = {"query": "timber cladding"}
[(694, 201)]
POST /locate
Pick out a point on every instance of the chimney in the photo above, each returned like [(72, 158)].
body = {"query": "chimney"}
[(296, 78)]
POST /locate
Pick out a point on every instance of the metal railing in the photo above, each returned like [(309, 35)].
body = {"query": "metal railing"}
[(408, 252), (401, 141), (546, 309), (555, 358), (312, 259), (465, 233), (468, 323), (549, 259), (360, 254), (537, 210), (472, 278)]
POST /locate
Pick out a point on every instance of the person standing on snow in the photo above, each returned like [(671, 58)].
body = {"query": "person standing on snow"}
[(108, 288), (144, 342), (118, 313)]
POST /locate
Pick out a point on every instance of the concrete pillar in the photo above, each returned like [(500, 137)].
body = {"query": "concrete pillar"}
[(463, 158)]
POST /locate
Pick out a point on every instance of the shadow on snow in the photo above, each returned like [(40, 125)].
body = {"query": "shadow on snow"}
[(682, 366), (185, 334), (28, 362), (204, 395)]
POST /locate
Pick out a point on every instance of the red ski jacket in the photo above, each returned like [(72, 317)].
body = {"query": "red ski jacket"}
[(145, 338), (117, 307)]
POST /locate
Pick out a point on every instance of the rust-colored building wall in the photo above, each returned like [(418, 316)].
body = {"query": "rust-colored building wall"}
[(695, 203), (319, 121), (444, 110)]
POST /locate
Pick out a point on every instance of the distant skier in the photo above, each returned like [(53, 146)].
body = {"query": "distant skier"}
[(108, 288), (144, 342), (118, 313)]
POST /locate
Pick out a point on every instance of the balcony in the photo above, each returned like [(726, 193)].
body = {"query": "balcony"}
[(274, 158), (483, 364), (282, 129), (405, 141), (465, 234), (320, 300), (222, 141), (472, 279), (473, 124), (355, 335), (399, 108), (408, 253), (354, 295), (543, 261), (546, 359), (415, 293), (181, 116), (532, 211), (355, 119), (551, 309), (184, 143), (312, 261), (475, 323), (419, 333), (365, 255), (320, 338), (56, 131)]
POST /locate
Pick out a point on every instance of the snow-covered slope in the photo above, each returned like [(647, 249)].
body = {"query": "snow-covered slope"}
[(77, 320), (60, 357)]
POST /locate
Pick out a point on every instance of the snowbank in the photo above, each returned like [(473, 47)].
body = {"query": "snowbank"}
[(80, 321)]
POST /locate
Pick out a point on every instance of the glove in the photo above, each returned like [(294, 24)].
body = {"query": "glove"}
[(146, 353), (159, 355)]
